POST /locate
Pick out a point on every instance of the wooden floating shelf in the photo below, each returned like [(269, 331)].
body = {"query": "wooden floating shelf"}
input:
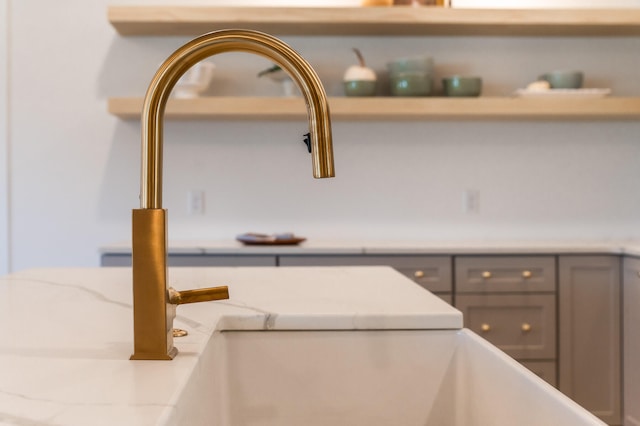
[(391, 109), (383, 21)]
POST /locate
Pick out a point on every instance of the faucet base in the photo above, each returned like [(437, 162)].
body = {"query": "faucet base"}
[(154, 356), (153, 313)]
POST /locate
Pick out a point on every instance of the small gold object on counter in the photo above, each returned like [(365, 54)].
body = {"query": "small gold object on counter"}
[(154, 303), (178, 332)]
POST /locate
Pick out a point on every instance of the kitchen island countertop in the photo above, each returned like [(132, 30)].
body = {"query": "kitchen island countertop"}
[(68, 333)]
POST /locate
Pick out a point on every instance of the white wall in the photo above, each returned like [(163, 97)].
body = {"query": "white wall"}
[(75, 169)]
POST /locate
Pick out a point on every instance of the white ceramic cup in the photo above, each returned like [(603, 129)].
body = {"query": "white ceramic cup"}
[(194, 81)]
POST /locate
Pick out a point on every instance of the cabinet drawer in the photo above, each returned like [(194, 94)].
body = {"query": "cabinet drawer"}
[(480, 274), (431, 272), (546, 370), (522, 325)]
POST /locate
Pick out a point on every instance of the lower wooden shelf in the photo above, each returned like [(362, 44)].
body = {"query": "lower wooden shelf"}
[(391, 108)]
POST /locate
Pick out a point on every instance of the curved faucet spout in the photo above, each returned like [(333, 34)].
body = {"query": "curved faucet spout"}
[(154, 302), (208, 45)]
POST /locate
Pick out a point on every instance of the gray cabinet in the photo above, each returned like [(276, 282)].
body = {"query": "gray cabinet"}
[(511, 302), (547, 370), (631, 328), (430, 272), (590, 334)]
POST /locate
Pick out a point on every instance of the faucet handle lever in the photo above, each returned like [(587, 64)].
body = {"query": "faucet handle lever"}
[(198, 295), (307, 141)]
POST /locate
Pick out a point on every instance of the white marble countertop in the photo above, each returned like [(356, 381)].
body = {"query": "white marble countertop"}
[(309, 247), (68, 333)]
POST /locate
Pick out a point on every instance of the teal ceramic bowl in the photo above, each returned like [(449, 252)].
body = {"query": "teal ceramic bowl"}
[(360, 88), (462, 86), (564, 79), (411, 84)]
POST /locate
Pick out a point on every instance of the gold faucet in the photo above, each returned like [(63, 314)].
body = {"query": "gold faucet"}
[(154, 302)]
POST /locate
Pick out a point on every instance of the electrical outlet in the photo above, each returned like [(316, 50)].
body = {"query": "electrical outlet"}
[(195, 202), (471, 201)]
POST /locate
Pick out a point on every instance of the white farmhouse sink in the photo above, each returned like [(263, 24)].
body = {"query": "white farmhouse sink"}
[(390, 377)]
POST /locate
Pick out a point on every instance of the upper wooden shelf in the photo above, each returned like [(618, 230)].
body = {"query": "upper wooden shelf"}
[(397, 20), (392, 109)]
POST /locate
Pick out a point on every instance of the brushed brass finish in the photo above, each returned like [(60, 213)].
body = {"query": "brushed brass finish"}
[(486, 274), (418, 274), (219, 42), (526, 327), (154, 302), (152, 315), (198, 295), (527, 274), (485, 327)]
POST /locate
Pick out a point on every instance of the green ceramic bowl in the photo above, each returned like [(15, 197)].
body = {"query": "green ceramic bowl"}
[(462, 86), (564, 79), (411, 84), (360, 88)]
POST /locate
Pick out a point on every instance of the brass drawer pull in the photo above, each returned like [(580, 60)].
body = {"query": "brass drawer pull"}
[(418, 274), (526, 274), (486, 274), (526, 327), (485, 327)]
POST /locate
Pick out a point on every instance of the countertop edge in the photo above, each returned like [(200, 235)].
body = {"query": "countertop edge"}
[(234, 248)]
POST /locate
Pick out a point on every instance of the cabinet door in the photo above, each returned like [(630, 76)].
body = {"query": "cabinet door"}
[(522, 325), (492, 274), (631, 327), (590, 333), (431, 272)]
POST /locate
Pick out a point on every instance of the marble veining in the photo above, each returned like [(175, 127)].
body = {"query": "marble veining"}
[(64, 355), (96, 294)]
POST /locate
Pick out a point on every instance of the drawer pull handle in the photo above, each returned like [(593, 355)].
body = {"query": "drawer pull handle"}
[(526, 327), (485, 327), (526, 274), (418, 274), (486, 274)]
